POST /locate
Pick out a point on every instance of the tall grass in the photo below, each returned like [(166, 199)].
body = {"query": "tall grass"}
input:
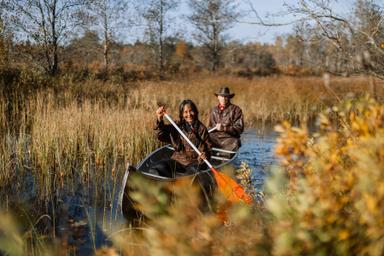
[(325, 198), (72, 134), (86, 130), (262, 99)]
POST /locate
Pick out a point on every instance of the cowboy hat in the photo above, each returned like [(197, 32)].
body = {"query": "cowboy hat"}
[(224, 91)]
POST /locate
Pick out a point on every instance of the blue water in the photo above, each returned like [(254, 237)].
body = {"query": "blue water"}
[(257, 151)]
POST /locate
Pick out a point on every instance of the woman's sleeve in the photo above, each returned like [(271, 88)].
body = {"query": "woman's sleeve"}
[(162, 131), (206, 143)]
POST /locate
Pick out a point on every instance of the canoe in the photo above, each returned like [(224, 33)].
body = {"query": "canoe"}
[(204, 178)]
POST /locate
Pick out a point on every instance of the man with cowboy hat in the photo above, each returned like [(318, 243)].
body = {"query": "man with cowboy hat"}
[(228, 121)]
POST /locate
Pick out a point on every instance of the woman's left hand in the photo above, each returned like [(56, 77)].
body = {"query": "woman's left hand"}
[(202, 157)]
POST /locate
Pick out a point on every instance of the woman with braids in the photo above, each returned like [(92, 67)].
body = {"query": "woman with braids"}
[(184, 159)]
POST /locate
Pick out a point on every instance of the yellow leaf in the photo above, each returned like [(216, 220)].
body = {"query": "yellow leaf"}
[(371, 202), (343, 234)]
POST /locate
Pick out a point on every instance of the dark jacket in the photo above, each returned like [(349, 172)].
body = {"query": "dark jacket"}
[(233, 122), (184, 153)]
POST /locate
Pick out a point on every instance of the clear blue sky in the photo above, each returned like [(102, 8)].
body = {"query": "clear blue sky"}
[(270, 10)]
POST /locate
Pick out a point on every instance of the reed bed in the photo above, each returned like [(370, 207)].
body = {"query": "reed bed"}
[(58, 134), (268, 99), (86, 134)]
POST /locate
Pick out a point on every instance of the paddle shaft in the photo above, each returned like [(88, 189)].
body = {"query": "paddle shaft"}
[(187, 139), (228, 186), (213, 129)]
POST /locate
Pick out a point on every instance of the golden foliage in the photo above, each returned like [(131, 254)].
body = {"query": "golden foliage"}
[(181, 228), (336, 206)]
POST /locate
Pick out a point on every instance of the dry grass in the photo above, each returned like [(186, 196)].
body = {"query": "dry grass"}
[(262, 99), (66, 135), (326, 198), (59, 134)]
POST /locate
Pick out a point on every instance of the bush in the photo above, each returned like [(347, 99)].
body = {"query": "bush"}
[(334, 201)]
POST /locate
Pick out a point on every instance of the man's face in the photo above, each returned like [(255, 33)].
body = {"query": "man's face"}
[(223, 100)]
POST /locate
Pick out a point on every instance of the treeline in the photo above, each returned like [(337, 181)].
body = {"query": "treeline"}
[(81, 38)]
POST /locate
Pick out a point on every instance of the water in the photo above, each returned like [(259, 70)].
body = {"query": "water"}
[(85, 226), (257, 151)]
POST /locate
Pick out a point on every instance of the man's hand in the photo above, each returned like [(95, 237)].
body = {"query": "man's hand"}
[(219, 127)]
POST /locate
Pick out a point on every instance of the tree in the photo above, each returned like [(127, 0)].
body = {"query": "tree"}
[(211, 18), (358, 35), (157, 15), (108, 16), (250, 59), (82, 51), (4, 39), (369, 26), (47, 24)]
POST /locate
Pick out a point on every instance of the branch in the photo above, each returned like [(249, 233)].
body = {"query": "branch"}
[(260, 21)]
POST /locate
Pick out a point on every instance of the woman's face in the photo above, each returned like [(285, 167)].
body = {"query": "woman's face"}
[(188, 114)]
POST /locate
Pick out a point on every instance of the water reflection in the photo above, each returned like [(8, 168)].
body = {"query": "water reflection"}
[(258, 152)]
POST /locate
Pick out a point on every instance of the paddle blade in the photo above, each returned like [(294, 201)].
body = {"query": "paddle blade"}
[(230, 188)]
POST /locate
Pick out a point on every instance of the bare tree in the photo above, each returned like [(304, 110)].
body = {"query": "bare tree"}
[(109, 17), (46, 24), (358, 35), (211, 18), (157, 13), (82, 51), (4, 38)]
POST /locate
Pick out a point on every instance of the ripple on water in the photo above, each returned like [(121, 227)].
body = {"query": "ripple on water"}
[(257, 151)]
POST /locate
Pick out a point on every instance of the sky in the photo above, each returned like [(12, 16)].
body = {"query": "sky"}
[(269, 10), (274, 11)]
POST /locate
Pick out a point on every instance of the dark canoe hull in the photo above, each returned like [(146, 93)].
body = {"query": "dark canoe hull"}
[(204, 178)]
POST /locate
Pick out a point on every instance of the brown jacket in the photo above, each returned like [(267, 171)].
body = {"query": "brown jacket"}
[(184, 153), (233, 121)]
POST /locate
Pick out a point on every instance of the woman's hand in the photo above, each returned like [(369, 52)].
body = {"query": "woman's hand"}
[(201, 157), (160, 113)]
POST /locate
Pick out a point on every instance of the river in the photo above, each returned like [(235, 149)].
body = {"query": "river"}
[(257, 151)]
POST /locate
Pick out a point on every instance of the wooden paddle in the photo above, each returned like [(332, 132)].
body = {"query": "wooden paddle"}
[(229, 187)]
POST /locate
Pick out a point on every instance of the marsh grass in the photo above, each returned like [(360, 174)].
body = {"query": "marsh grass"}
[(324, 198), (95, 129), (266, 99), (72, 135)]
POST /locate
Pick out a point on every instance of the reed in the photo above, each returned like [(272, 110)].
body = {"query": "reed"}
[(78, 135), (87, 132), (324, 198), (262, 99)]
